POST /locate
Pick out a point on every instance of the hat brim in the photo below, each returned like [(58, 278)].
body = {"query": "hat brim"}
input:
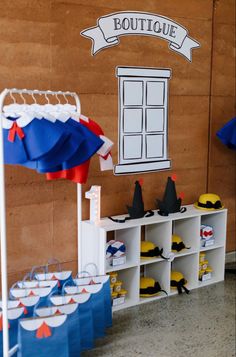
[(176, 251), (149, 295), (207, 209), (149, 257)]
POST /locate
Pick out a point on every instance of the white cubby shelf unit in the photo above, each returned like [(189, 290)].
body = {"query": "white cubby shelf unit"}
[(159, 230)]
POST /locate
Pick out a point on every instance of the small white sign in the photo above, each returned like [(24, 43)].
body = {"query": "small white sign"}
[(119, 261), (206, 277), (118, 301)]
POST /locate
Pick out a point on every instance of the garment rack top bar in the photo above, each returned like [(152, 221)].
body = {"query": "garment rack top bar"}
[(36, 91)]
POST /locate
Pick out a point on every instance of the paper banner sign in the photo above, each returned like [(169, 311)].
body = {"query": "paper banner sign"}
[(109, 28)]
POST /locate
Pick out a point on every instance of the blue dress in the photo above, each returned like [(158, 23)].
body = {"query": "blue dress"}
[(39, 138), (45, 146), (227, 134), (86, 150)]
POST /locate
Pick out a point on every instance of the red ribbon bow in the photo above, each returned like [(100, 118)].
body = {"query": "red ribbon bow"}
[(206, 234), (15, 129)]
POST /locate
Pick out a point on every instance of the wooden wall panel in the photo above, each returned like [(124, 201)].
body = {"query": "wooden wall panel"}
[(41, 47), (222, 161)]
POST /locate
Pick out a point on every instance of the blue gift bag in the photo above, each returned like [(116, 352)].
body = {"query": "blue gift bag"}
[(13, 317), (97, 303), (43, 337), (73, 325), (62, 276), (105, 280), (28, 303), (85, 316), (43, 292)]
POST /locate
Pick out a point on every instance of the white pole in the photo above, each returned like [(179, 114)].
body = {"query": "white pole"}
[(79, 204), (79, 221), (3, 236)]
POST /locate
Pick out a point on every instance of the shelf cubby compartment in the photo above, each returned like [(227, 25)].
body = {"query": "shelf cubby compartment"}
[(216, 260), (188, 230), (159, 272), (131, 239), (160, 235), (217, 221), (130, 282), (188, 265)]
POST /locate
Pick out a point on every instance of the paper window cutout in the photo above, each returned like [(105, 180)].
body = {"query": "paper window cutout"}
[(143, 116)]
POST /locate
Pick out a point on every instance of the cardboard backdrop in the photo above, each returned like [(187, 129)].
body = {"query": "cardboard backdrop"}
[(41, 47)]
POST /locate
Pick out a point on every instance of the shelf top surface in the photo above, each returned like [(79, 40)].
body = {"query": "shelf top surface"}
[(109, 225)]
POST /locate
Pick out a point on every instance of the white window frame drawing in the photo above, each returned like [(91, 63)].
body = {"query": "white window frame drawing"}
[(138, 151)]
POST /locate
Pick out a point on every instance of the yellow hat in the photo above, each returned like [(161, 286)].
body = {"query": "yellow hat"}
[(149, 287), (150, 250), (146, 246), (178, 282), (177, 243), (176, 276), (209, 202)]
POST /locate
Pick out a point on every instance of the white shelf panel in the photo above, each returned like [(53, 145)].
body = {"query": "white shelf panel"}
[(211, 247), (128, 303), (201, 284), (185, 252), (109, 225), (127, 265), (154, 298), (151, 261)]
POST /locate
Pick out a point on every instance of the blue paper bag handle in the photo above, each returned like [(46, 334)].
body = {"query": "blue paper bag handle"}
[(15, 285), (83, 272), (71, 282), (33, 270), (95, 266), (54, 261)]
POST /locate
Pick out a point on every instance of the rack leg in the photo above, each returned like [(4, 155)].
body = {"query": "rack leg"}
[(3, 247), (79, 221)]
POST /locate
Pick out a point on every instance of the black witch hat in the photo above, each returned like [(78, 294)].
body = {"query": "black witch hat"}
[(137, 208), (170, 202)]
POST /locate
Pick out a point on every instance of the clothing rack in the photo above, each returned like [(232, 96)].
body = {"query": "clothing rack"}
[(3, 230)]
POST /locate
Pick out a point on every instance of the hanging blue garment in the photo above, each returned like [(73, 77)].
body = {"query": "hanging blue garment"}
[(27, 139), (73, 325), (227, 134), (41, 337), (85, 316), (13, 317), (88, 148), (46, 146), (62, 152)]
